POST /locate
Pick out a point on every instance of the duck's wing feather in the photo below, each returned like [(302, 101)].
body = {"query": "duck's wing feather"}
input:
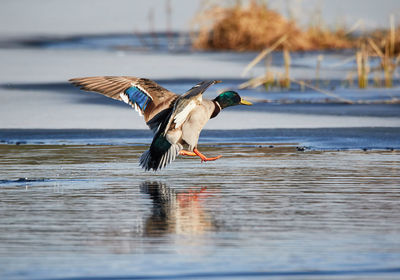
[(146, 96), (186, 103), (199, 89)]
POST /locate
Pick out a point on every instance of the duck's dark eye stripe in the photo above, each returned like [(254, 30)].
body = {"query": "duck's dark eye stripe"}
[(137, 96)]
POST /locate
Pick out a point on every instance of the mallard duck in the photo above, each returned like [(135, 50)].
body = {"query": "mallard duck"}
[(176, 120)]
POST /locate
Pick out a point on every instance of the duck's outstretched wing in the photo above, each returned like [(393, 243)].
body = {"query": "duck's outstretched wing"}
[(146, 96)]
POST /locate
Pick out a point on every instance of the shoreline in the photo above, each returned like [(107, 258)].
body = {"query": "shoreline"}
[(367, 138)]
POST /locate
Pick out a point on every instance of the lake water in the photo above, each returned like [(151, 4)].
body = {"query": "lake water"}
[(75, 210)]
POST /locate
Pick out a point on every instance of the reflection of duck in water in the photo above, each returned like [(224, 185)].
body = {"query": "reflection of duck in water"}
[(176, 212)]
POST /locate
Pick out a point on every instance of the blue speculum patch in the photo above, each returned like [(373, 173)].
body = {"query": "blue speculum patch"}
[(137, 96)]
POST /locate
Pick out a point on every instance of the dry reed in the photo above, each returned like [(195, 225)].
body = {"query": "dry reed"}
[(285, 82), (387, 41), (386, 48), (320, 58), (362, 67)]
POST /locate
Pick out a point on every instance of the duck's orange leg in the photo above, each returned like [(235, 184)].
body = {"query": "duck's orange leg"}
[(187, 153), (203, 157)]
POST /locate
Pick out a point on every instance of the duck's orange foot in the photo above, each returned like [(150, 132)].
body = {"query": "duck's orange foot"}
[(203, 157), (197, 153)]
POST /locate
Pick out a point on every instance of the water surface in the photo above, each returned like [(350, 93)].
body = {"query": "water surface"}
[(260, 211)]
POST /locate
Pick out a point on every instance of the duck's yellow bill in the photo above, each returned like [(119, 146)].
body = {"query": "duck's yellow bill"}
[(245, 102)]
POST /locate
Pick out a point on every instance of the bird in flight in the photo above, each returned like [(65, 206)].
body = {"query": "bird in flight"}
[(176, 120)]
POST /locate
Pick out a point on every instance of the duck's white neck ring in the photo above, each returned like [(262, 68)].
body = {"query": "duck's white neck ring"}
[(217, 109)]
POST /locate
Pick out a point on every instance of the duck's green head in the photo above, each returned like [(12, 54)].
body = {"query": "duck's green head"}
[(230, 98)]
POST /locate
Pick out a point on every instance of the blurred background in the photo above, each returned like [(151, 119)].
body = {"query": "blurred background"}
[(57, 17), (300, 55)]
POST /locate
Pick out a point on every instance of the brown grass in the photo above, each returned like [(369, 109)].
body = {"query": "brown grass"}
[(324, 38), (255, 27)]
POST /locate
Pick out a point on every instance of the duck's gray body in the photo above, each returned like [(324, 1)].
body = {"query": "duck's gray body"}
[(195, 122)]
